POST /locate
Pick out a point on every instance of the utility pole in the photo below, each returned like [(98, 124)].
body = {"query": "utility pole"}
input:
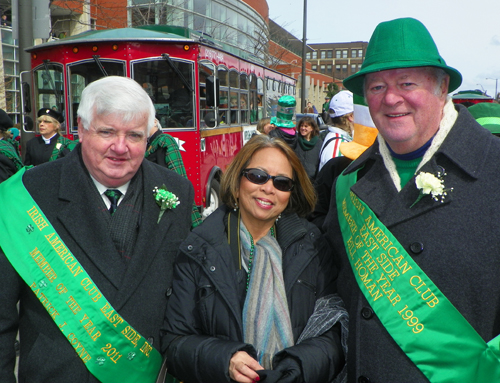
[(303, 86), (496, 87), (30, 23), (35, 15)]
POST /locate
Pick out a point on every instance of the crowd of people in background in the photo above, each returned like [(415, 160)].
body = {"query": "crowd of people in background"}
[(366, 253)]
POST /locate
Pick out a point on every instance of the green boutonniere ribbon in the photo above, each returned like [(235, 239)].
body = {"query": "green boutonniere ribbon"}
[(165, 200)]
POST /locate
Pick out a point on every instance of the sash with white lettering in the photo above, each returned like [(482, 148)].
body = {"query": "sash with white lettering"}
[(108, 346), (422, 321)]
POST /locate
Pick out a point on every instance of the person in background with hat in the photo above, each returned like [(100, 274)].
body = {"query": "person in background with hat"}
[(414, 223), (285, 127), (10, 162), (14, 138), (341, 113), (364, 135), (50, 145), (488, 115)]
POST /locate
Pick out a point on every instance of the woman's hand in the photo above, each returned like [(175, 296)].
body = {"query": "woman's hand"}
[(242, 368)]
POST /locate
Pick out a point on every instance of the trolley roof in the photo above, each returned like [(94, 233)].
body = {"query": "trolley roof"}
[(147, 33)]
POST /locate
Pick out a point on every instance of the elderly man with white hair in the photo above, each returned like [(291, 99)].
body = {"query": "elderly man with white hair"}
[(87, 248), (414, 222)]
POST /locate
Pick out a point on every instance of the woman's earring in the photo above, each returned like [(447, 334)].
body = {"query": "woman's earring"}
[(279, 216), (235, 206)]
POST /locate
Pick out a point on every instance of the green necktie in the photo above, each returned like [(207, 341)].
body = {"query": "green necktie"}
[(113, 196)]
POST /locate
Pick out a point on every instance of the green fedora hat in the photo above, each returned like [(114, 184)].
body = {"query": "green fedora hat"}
[(487, 114), (400, 43), (285, 112)]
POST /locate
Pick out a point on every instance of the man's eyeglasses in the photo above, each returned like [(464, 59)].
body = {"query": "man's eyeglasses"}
[(111, 134), (260, 177)]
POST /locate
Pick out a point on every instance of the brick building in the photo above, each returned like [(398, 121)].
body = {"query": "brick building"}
[(339, 60)]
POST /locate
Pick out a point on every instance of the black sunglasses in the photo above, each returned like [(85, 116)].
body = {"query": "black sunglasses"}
[(260, 177)]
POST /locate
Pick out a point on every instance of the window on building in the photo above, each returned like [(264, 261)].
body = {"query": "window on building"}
[(329, 69), (354, 53), (323, 54), (344, 68), (315, 55), (344, 54), (322, 69), (353, 68), (314, 68), (360, 53), (329, 54), (337, 69), (308, 55), (338, 54)]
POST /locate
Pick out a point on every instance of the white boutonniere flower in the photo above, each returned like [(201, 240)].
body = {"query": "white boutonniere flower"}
[(58, 146), (430, 184), (165, 199)]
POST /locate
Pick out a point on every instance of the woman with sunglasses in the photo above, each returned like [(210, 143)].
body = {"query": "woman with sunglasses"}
[(247, 281), (50, 145)]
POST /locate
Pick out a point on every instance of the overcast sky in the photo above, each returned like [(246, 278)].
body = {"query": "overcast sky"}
[(467, 33)]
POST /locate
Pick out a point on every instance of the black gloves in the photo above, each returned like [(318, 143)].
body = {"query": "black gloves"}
[(286, 371)]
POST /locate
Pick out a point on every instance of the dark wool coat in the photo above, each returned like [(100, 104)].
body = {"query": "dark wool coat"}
[(37, 152), (137, 292), (288, 138), (456, 243), (203, 317), (310, 158)]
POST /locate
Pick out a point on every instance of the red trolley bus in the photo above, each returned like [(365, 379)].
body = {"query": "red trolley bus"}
[(207, 95)]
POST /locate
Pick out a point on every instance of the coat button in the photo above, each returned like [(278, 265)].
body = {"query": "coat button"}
[(190, 247), (417, 247), (367, 313), (363, 379), (212, 268), (168, 292)]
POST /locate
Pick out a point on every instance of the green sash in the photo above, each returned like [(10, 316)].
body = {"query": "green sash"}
[(108, 346), (422, 321)]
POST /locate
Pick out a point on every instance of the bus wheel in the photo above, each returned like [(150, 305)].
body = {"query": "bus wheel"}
[(214, 199)]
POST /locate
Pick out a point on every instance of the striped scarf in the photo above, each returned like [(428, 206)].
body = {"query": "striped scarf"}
[(266, 318)]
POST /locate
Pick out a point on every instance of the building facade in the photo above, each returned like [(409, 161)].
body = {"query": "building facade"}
[(338, 60)]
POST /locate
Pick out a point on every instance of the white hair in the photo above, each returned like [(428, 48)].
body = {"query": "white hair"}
[(115, 95), (439, 75)]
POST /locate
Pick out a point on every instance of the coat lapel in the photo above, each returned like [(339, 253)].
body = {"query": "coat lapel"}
[(152, 238), (80, 216)]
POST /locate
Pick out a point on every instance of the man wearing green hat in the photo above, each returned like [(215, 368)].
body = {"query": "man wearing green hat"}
[(415, 223)]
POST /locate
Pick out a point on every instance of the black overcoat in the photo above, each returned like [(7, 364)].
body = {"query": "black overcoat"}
[(138, 292), (204, 315), (456, 243)]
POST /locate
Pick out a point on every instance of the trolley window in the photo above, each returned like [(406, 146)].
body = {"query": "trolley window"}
[(82, 73), (170, 85)]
